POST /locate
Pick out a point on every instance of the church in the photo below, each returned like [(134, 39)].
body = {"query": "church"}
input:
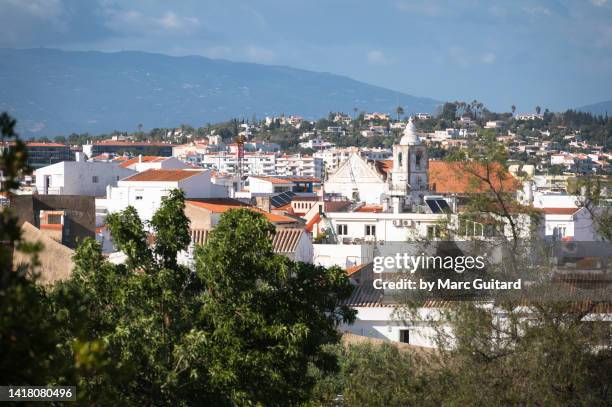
[(398, 184)]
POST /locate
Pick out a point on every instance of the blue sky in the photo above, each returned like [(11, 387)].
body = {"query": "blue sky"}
[(552, 53)]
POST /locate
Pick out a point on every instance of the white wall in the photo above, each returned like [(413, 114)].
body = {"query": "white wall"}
[(77, 177), (342, 255)]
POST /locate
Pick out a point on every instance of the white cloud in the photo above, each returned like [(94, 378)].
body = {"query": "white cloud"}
[(46, 9), (537, 10), (134, 21), (260, 54), (428, 8), (599, 2), (488, 58), (377, 57)]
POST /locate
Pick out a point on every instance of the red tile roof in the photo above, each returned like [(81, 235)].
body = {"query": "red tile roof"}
[(224, 207), (560, 211), (132, 143), (164, 175), (370, 208), (462, 177), (144, 159), (34, 144), (315, 219)]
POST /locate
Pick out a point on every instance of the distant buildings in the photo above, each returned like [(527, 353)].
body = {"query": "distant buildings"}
[(128, 147), (41, 154)]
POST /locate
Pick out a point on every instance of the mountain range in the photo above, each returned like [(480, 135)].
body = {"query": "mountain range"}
[(53, 92), (601, 108)]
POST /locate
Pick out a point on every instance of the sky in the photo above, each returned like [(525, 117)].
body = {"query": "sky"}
[(553, 53)]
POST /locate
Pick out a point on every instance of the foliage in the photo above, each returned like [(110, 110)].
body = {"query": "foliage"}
[(27, 332), (268, 317)]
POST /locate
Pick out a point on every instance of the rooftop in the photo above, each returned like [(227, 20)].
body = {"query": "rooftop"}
[(163, 175), (144, 159)]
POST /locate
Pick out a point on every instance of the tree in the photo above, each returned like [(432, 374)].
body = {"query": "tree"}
[(538, 109), (27, 330), (449, 111), (400, 111), (513, 108), (144, 312), (268, 318)]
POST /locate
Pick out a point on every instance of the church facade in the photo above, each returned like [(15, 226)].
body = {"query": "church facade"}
[(399, 183)]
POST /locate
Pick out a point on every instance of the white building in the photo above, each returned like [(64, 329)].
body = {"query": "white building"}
[(79, 178), (400, 182), (252, 163), (299, 165), (145, 191), (333, 157)]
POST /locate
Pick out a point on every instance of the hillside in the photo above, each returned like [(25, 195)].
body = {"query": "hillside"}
[(55, 92), (598, 108)]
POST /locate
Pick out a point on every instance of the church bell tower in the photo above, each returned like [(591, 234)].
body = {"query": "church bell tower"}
[(409, 179)]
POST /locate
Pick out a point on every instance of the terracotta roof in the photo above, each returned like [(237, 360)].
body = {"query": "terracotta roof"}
[(560, 211), (336, 206), (315, 219), (144, 159), (121, 158), (132, 143), (286, 240), (34, 144), (51, 226), (370, 208), (457, 177), (226, 206), (163, 175), (352, 270)]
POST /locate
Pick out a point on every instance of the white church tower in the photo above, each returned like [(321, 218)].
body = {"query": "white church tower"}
[(409, 180)]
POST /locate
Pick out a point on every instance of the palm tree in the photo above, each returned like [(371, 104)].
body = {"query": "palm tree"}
[(513, 109), (355, 111), (400, 111), (538, 109)]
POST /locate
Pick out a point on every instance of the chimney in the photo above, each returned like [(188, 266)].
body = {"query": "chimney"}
[(78, 156), (139, 158), (263, 203)]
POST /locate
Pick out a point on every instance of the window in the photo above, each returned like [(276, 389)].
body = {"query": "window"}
[(433, 232), (342, 229), (94, 179), (404, 335), (399, 159), (54, 219), (370, 230), (419, 159)]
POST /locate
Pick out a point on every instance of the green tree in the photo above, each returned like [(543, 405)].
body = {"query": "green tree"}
[(268, 317), (399, 111), (28, 340)]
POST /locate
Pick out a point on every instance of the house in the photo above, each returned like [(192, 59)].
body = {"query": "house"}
[(145, 191), (67, 219), (79, 177), (54, 259), (290, 239)]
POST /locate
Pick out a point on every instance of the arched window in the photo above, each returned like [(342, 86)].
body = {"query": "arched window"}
[(399, 159), (419, 158)]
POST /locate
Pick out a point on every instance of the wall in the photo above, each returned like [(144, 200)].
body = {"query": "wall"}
[(76, 177)]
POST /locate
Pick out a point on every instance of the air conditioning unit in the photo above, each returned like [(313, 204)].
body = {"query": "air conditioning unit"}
[(406, 223), (397, 222)]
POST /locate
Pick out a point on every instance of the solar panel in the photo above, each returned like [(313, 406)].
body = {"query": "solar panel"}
[(282, 199), (433, 206), (438, 205)]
